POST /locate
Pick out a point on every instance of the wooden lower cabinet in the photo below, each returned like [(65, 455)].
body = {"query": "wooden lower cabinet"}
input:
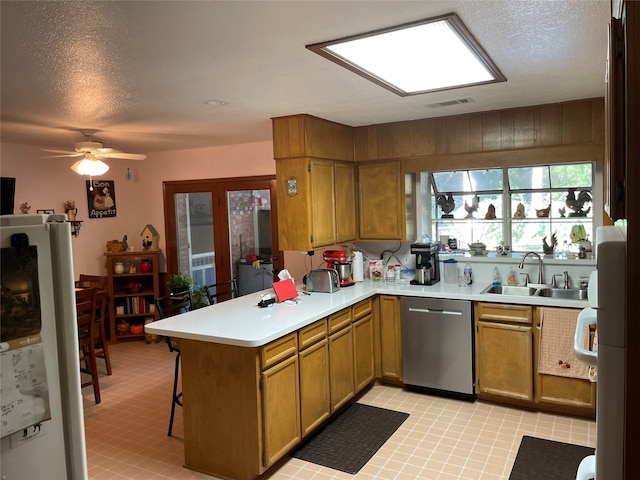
[(314, 385), (363, 352), (504, 352), (561, 394), (341, 374), (280, 409), (507, 353), (390, 338)]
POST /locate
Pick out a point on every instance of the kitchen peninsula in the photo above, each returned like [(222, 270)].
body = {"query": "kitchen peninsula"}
[(256, 381)]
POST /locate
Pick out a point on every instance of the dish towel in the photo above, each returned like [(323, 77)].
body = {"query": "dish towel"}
[(558, 327)]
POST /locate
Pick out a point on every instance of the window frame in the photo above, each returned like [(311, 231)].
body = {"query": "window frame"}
[(431, 216)]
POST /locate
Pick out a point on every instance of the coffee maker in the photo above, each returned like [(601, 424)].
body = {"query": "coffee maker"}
[(337, 259), (427, 263)]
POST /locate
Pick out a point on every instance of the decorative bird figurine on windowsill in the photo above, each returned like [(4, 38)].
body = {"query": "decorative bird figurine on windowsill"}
[(576, 204), (543, 212), (446, 204), (471, 209), (548, 249)]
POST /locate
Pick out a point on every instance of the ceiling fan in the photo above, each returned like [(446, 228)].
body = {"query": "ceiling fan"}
[(92, 154)]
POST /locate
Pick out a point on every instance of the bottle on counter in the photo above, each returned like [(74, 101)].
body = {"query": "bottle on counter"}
[(468, 274), (497, 279)]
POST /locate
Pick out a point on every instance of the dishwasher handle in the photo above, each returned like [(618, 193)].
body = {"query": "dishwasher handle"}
[(435, 310)]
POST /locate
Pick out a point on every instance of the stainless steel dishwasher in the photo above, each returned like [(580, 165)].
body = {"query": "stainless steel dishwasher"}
[(438, 346)]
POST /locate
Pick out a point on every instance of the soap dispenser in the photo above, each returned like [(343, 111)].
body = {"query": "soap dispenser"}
[(497, 280)]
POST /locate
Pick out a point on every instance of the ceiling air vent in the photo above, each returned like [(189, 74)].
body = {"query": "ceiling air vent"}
[(449, 103)]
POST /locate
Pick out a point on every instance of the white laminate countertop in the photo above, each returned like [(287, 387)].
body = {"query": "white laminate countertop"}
[(242, 323)]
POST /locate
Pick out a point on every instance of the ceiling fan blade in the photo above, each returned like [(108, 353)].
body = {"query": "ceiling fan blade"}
[(61, 156), (125, 156), (62, 152)]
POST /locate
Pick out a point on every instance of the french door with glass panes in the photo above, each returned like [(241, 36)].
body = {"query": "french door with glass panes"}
[(213, 225)]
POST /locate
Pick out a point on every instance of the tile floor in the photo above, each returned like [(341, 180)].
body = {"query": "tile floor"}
[(442, 439)]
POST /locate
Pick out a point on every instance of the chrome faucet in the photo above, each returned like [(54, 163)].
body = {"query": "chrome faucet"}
[(540, 274)]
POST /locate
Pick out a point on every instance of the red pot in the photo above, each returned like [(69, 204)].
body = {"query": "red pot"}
[(146, 266), (136, 329)]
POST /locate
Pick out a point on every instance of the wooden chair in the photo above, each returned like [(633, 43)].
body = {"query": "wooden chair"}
[(221, 291), (102, 314), (168, 306), (86, 302)]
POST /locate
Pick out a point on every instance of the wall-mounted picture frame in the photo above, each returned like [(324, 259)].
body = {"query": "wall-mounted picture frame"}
[(101, 198)]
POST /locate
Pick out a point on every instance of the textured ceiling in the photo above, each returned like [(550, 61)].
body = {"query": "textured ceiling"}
[(140, 72)]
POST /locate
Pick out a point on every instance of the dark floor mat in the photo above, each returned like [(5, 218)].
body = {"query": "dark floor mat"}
[(352, 438), (539, 458)]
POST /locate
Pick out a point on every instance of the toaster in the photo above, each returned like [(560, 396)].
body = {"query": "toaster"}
[(324, 280)]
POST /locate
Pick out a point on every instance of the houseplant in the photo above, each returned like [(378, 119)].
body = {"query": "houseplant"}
[(179, 282), (199, 298)]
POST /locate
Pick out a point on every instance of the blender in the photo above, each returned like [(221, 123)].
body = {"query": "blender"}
[(337, 259)]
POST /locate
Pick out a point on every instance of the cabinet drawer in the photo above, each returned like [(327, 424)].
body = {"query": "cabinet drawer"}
[(313, 333), (495, 312), (278, 350), (361, 309), (339, 320)]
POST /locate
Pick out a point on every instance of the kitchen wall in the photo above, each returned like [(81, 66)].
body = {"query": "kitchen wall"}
[(46, 182)]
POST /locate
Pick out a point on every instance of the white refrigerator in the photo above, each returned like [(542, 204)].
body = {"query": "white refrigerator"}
[(42, 426), (607, 298)]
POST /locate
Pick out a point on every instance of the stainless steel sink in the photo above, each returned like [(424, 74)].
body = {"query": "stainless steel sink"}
[(510, 290), (564, 293)]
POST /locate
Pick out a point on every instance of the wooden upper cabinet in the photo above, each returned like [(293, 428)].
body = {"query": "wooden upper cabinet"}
[(381, 199), (306, 203), (308, 136), (345, 201)]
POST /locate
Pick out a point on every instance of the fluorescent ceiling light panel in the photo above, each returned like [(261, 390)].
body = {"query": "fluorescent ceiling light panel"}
[(419, 57)]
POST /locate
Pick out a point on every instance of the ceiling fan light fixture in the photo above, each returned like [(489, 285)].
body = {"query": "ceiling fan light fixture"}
[(90, 166)]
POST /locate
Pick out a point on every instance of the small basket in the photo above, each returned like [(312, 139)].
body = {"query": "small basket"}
[(114, 247)]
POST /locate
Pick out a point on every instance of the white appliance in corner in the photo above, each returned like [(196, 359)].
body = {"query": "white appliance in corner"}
[(607, 297), (42, 425)]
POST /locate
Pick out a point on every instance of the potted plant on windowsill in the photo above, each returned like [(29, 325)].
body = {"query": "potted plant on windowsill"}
[(179, 282)]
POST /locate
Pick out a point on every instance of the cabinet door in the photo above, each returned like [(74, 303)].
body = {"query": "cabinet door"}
[(314, 386), (341, 367), (562, 394), (504, 360), (363, 352), (390, 338), (381, 201), (345, 202), (294, 204), (323, 203), (280, 409)]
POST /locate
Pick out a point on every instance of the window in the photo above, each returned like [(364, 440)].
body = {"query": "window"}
[(522, 206)]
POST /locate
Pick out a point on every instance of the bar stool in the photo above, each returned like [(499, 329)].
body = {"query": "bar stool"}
[(167, 306), (102, 344), (87, 332), (220, 291)]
